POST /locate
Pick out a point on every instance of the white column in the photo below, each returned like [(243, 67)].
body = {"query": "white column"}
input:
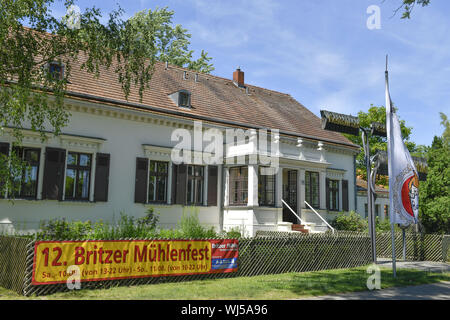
[(226, 187), (252, 185), (92, 182), (279, 187), (321, 151), (169, 183), (300, 147), (301, 189), (64, 176), (205, 186), (219, 184), (322, 188), (41, 174)]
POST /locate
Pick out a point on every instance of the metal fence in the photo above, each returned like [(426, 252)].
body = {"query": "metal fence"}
[(419, 247), (13, 262), (266, 253)]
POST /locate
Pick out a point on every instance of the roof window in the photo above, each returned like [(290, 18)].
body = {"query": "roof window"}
[(182, 98)]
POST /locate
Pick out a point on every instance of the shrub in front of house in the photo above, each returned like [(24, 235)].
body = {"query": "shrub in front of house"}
[(350, 222), (127, 226)]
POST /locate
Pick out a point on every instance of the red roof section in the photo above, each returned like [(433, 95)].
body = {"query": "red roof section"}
[(211, 97)]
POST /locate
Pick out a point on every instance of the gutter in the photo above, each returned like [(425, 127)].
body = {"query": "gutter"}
[(147, 108)]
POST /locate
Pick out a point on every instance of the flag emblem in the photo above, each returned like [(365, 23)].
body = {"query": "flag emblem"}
[(410, 195)]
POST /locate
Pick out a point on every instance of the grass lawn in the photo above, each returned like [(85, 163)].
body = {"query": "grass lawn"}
[(278, 287)]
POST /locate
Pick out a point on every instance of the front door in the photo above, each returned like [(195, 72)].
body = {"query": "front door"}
[(290, 195)]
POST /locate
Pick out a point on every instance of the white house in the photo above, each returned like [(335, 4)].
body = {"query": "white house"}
[(116, 155), (381, 201)]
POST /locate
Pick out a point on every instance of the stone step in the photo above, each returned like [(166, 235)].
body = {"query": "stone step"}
[(300, 228)]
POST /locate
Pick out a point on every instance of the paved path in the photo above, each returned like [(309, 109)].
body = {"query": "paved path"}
[(429, 266), (435, 291)]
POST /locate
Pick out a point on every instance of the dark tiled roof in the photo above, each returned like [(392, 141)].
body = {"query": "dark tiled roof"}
[(361, 185), (212, 97)]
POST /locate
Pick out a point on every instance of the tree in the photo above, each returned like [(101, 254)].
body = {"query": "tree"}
[(32, 95), (435, 191), (377, 114), (446, 123), (171, 43), (408, 6)]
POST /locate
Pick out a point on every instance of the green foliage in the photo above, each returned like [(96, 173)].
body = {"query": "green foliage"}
[(233, 233), (377, 114), (408, 6), (30, 94), (434, 193), (150, 220), (61, 229), (384, 225), (355, 222), (168, 43), (127, 227), (349, 222), (190, 227), (12, 169)]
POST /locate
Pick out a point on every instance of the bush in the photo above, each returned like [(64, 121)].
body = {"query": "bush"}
[(127, 227), (350, 222), (60, 229), (233, 233), (190, 227)]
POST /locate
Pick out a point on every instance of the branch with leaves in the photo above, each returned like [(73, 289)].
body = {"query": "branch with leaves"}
[(31, 39)]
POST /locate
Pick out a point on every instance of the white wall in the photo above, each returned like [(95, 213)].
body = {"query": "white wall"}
[(124, 140), (381, 201), (126, 132)]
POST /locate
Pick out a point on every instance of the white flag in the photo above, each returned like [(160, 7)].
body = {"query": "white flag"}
[(403, 178)]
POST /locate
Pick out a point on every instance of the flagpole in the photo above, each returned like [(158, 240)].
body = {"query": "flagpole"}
[(388, 127)]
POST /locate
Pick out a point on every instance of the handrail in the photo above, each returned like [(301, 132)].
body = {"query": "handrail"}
[(299, 219), (328, 225)]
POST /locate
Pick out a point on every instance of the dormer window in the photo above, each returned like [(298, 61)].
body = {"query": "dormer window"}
[(56, 70), (182, 98)]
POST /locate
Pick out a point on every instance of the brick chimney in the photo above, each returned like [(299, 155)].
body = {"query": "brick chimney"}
[(238, 77)]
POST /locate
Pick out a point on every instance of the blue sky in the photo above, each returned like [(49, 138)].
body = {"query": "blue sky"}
[(322, 52)]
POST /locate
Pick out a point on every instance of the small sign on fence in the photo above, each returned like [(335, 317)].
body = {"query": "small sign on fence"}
[(124, 259)]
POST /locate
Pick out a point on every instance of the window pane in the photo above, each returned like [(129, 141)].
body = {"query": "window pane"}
[(72, 159), (152, 166), (162, 167), (161, 187), (152, 189), (199, 191), (184, 99), (238, 186), (83, 185), (190, 191), (29, 186), (70, 183), (85, 160), (266, 189), (31, 155)]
